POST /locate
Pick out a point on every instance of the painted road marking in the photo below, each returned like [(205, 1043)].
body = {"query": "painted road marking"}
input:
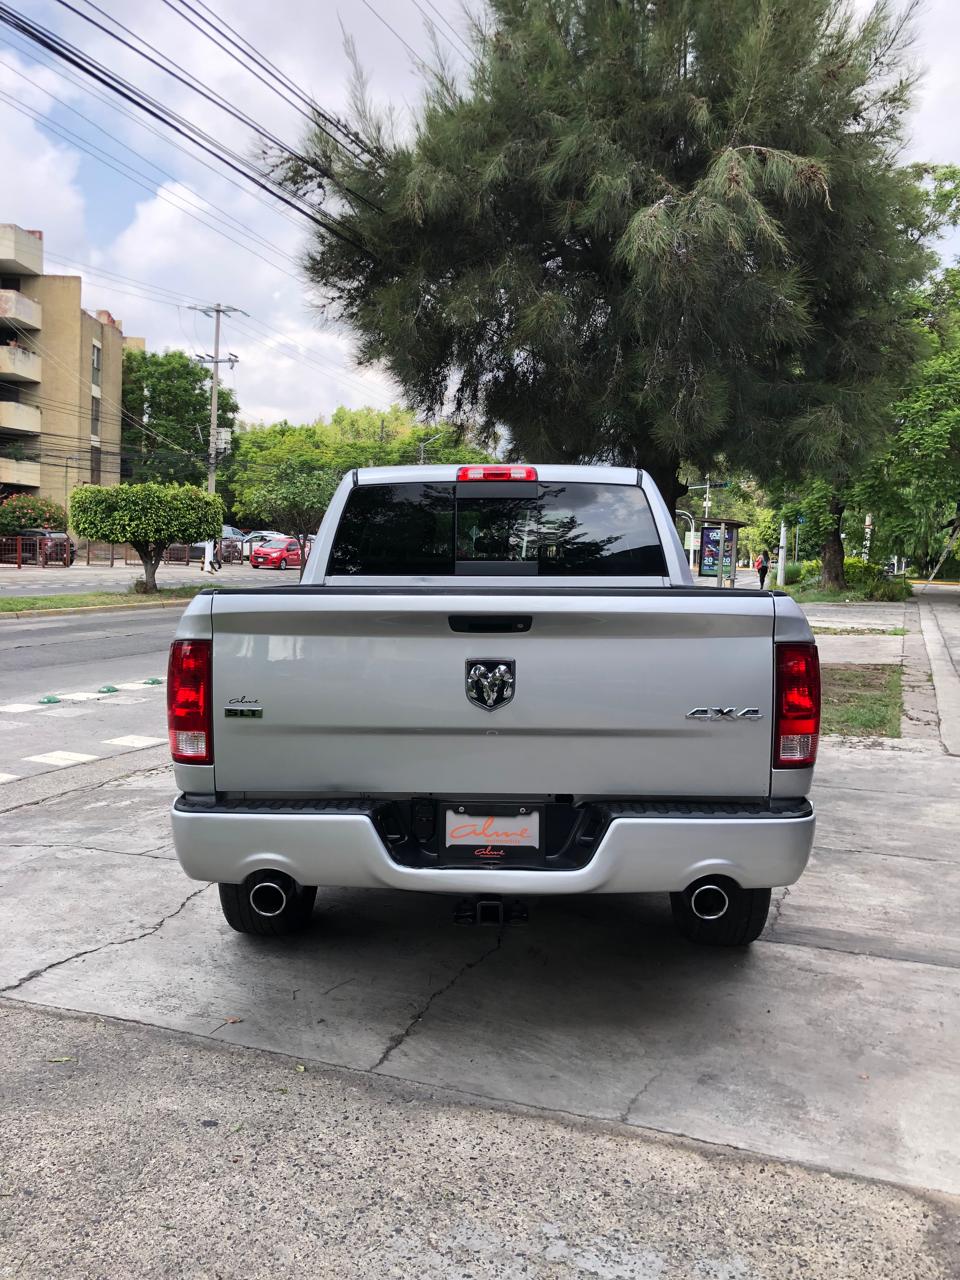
[(134, 740), (61, 758), (9, 777), (16, 708), (138, 684)]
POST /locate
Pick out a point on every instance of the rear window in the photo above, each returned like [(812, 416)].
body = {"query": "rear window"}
[(546, 530)]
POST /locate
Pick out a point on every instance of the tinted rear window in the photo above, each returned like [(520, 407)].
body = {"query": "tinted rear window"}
[(548, 530)]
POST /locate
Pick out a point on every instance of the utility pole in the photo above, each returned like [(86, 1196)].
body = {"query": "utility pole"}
[(782, 555), (217, 310)]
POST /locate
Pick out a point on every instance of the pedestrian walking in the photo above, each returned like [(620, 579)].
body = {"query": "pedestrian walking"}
[(762, 565)]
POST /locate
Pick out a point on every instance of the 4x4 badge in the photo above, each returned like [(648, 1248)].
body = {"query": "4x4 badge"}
[(490, 682)]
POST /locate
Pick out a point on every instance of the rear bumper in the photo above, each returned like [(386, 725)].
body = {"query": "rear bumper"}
[(330, 845)]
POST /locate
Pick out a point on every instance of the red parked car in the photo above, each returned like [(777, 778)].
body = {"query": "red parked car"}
[(278, 553)]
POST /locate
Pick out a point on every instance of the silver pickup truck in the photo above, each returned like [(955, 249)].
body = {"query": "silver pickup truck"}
[(495, 682)]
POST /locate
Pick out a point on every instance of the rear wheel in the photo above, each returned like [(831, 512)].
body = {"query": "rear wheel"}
[(728, 915), (267, 904)]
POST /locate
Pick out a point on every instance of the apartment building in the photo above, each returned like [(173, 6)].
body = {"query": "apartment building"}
[(60, 378)]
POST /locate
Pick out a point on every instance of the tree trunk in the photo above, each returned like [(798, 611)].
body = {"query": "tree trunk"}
[(831, 553), (149, 569), (667, 479)]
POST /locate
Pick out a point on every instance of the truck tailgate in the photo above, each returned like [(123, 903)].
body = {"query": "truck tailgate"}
[(365, 693)]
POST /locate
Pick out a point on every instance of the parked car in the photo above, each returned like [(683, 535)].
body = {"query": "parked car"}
[(257, 538), (229, 533), (39, 546), (278, 553), (496, 681)]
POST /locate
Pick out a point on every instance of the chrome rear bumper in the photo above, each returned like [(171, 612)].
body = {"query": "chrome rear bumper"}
[(329, 847)]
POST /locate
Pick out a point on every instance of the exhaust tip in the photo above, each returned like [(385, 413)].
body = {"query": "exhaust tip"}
[(709, 902), (268, 898)]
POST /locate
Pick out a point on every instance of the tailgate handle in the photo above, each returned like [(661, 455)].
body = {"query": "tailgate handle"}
[(490, 623)]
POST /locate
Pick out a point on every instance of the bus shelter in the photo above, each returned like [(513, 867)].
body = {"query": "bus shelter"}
[(714, 535)]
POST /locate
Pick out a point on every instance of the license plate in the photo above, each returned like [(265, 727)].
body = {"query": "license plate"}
[(485, 837)]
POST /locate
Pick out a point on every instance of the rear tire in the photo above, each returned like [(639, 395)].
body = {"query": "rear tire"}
[(741, 923), (240, 915)]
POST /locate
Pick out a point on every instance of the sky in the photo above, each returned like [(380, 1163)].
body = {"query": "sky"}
[(176, 233)]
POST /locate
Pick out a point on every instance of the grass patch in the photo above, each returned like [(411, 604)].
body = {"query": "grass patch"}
[(859, 631), (862, 701), (91, 599)]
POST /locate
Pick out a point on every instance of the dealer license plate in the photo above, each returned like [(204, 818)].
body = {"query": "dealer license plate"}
[(485, 837)]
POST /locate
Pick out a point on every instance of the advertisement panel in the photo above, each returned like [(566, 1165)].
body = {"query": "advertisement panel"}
[(710, 551)]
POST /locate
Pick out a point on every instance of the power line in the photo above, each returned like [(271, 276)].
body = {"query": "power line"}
[(180, 74), (450, 27), (42, 58), (311, 112), (198, 203), (265, 63), (126, 171), (433, 25), (46, 354), (409, 47), (96, 71)]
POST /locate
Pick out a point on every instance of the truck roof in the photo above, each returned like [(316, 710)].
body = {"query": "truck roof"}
[(550, 472)]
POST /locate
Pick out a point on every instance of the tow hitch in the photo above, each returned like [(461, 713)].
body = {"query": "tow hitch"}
[(492, 910)]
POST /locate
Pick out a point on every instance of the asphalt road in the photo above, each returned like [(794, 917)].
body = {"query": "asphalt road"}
[(71, 659)]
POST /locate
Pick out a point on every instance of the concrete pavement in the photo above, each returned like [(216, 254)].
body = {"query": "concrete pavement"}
[(147, 1154)]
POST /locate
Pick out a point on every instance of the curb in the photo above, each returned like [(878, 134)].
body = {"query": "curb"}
[(946, 681), (96, 608)]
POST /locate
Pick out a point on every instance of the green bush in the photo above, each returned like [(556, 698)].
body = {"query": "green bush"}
[(27, 511), (794, 572), (890, 589), (860, 574)]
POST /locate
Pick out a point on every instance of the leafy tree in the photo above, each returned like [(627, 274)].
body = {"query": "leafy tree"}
[(649, 234), (913, 487), (294, 498), (352, 438), (149, 516), (27, 511), (165, 430)]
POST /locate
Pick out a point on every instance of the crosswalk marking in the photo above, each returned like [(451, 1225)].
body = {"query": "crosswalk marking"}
[(9, 777), (17, 708), (134, 740), (61, 758), (138, 684)]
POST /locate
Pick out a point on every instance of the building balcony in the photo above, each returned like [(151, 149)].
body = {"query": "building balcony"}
[(21, 252), (26, 419), (26, 474), (19, 365), (17, 311)]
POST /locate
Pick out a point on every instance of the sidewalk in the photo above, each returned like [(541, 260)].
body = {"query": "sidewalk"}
[(101, 577)]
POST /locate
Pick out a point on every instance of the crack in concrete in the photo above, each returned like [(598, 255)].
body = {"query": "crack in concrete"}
[(625, 1113), (115, 942), (778, 908), (92, 848), (397, 1040)]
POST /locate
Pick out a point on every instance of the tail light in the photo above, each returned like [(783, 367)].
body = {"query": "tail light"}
[(189, 718), (497, 473), (797, 706)]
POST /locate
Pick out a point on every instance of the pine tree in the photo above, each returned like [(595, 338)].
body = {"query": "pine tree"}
[(654, 234)]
